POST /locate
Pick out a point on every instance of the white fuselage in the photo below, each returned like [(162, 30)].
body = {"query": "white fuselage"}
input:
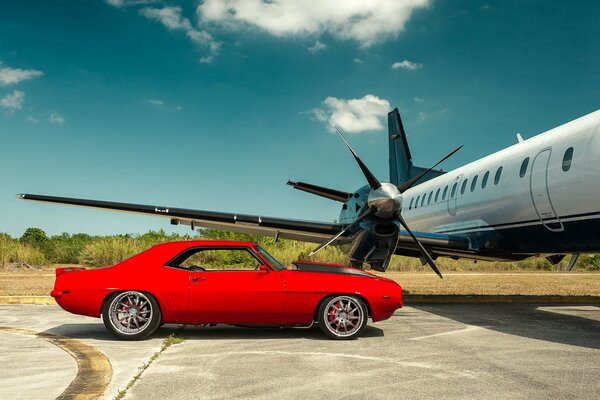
[(536, 208)]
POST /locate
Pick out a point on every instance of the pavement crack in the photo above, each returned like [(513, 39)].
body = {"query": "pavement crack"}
[(167, 342)]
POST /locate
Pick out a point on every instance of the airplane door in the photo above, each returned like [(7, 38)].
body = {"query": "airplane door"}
[(453, 195), (540, 194)]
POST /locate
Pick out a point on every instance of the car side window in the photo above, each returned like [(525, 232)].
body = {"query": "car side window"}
[(216, 259)]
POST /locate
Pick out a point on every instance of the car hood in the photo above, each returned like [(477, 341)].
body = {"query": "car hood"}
[(331, 269)]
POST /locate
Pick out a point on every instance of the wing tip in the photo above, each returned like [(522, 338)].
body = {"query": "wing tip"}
[(21, 196)]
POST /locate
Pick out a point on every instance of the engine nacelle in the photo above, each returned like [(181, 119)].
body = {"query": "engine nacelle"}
[(375, 245)]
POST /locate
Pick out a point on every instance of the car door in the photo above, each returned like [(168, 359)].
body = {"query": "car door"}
[(226, 293)]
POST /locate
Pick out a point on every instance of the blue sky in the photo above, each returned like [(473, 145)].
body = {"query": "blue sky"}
[(214, 105)]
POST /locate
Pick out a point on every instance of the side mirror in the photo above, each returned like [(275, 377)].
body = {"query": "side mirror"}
[(263, 268)]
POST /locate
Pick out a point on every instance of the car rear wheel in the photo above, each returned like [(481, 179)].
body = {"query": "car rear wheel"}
[(131, 315), (343, 317)]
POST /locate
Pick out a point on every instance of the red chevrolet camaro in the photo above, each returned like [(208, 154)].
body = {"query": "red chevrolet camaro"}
[(218, 282)]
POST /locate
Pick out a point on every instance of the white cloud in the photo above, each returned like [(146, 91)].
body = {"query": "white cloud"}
[(407, 65), (353, 115), (358, 61), (419, 100), (12, 76), (156, 102), (13, 102), (172, 19), (368, 22), (56, 119), (318, 46), (207, 59), (127, 3)]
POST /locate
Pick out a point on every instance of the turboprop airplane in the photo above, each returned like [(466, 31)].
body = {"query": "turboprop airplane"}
[(539, 197)]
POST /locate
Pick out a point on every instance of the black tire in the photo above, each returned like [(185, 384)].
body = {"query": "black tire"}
[(131, 315), (342, 317)]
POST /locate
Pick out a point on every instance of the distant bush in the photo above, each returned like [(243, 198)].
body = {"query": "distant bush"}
[(14, 252), (34, 247), (108, 251), (66, 248)]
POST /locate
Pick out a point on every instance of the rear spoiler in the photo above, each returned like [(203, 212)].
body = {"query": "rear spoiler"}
[(60, 271)]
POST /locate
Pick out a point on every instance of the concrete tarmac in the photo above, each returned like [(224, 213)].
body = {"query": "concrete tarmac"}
[(486, 351)]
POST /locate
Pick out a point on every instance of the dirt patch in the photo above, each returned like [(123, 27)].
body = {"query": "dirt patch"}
[(509, 283)]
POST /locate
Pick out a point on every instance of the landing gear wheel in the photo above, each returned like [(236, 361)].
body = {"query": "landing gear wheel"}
[(131, 315), (356, 264), (342, 317)]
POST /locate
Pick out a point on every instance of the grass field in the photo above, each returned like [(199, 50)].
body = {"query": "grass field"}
[(39, 282)]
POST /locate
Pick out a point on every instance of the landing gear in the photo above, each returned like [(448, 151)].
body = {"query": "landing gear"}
[(380, 266)]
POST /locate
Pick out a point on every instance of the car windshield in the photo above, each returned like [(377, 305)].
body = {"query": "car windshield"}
[(270, 258)]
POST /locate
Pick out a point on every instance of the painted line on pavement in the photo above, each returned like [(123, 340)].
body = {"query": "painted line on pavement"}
[(94, 371)]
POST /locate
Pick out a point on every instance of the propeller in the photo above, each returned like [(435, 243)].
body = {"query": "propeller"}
[(364, 215), (373, 182), (424, 252), (331, 194), (404, 186), (384, 201)]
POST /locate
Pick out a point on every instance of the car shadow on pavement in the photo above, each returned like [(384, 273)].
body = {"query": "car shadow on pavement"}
[(218, 332), (533, 321), (224, 332)]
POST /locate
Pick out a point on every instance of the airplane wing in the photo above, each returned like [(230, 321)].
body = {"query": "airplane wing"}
[(306, 231)]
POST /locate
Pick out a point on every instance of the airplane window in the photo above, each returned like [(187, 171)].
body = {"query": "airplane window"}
[(417, 202), (423, 200), (484, 180), (445, 193), (566, 165), (464, 186), (453, 190), (474, 183), (429, 198), (524, 167), (497, 176), (437, 195), (411, 203)]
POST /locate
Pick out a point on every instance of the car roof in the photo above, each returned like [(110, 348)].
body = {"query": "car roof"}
[(205, 243)]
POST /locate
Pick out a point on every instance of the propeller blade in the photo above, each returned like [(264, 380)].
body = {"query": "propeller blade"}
[(331, 194), (424, 252), (373, 182), (365, 214), (409, 183)]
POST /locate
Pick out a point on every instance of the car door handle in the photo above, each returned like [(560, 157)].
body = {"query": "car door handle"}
[(196, 279)]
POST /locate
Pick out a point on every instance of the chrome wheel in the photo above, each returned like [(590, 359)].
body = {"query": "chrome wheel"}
[(344, 317), (130, 313)]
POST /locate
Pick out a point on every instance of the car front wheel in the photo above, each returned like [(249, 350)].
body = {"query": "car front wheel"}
[(343, 317), (131, 315)]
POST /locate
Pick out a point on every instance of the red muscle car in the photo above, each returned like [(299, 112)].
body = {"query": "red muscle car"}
[(220, 282)]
